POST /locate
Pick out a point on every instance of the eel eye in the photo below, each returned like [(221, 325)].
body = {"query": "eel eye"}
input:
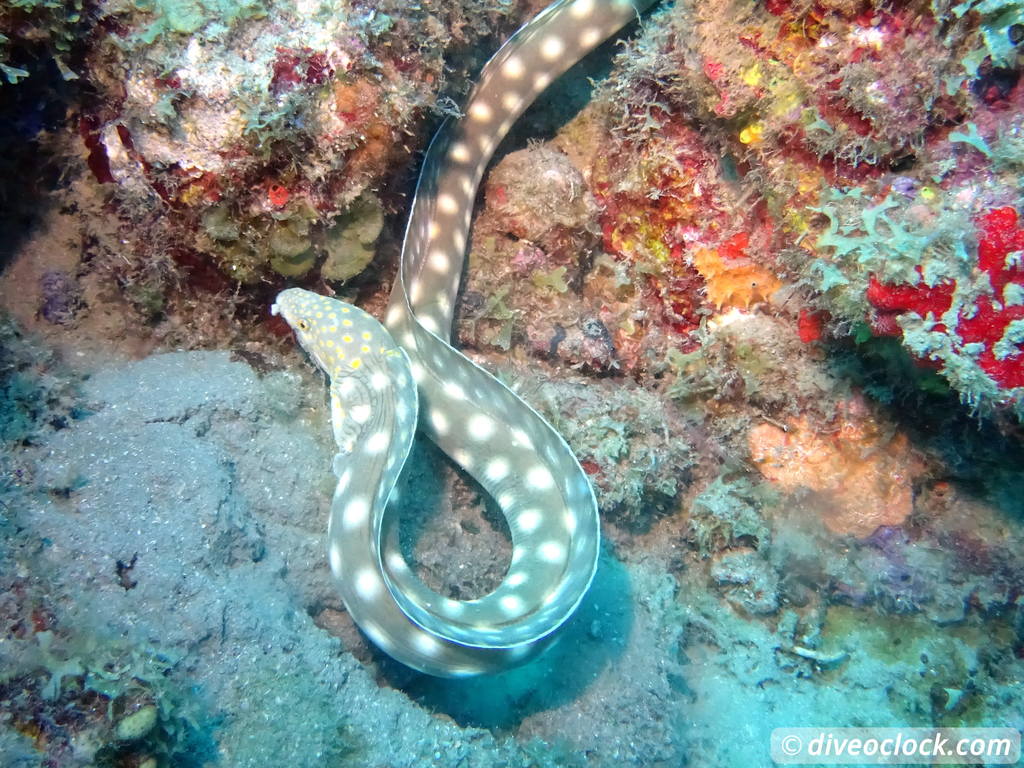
[(303, 325)]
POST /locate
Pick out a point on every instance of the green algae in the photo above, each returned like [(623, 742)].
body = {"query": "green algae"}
[(973, 138), (138, 724), (219, 224), (868, 239), (351, 242), (291, 251), (495, 308), (247, 246), (187, 17), (54, 24), (1012, 337), (553, 280), (995, 17)]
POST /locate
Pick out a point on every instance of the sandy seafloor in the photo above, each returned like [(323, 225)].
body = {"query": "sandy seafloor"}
[(212, 481)]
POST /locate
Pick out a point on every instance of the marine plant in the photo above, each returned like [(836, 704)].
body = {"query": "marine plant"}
[(187, 17), (950, 287), (991, 38), (28, 26), (109, 702)]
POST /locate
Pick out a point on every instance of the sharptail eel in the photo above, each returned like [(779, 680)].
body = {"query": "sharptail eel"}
[(387, 382)]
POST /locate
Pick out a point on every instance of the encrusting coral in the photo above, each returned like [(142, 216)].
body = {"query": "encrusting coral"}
[(854, 476)]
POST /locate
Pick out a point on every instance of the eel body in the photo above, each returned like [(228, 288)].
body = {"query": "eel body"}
[(387, 382)]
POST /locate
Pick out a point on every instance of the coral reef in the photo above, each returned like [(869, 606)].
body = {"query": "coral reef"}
[(725, 515), (749, 580), (748, 282), (864, 172), (535, 240), (233, 146), (105, 705), (961, 314), (255, 126)]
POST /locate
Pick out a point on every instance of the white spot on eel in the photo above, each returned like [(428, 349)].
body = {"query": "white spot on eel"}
[(528, 521), (481, 427), (513, 68)]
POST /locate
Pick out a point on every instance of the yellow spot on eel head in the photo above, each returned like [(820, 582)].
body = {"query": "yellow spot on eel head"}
[(356, 362)]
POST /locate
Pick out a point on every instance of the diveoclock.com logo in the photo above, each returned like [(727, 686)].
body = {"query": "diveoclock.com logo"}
[(882, 746)]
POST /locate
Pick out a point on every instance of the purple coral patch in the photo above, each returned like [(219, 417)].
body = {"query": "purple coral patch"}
[(61, 297)]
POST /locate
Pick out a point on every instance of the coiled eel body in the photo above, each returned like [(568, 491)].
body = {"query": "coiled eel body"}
[(386, 382)]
